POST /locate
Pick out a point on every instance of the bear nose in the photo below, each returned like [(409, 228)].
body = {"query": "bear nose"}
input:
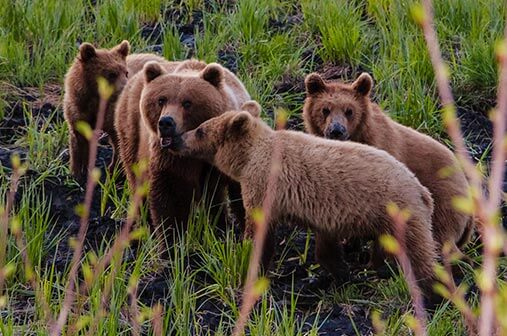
[(166, 124), (338, 132)]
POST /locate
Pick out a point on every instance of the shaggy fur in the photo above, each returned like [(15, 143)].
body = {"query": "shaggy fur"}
[(338, 189), (188, 93), (345, 111), (81, 99)]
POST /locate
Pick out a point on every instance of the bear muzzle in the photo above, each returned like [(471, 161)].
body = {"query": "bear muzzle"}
[(167, 131), (336, 131)]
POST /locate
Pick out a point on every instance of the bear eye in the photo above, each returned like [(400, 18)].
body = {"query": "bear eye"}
[(127, 74), (186, 104), (348, 113), (199, 133), (162, 101), (326, 111), (111, 76)]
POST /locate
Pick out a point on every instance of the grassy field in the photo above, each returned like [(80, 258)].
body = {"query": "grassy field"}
[(271, 45)]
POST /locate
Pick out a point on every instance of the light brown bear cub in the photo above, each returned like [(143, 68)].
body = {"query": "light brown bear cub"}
[(81, 99), (345, 112), (158, 105), (338, 189)]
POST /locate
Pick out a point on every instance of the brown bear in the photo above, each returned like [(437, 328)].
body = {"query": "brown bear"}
[(338, 189), (159, 104), (345, 112), (81, 98)]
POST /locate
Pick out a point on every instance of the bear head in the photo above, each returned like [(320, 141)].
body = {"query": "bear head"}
[(336, 110), (173, 103), (110, 64), (214, 140)]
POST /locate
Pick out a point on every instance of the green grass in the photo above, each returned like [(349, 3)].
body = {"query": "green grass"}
[(38, 41)]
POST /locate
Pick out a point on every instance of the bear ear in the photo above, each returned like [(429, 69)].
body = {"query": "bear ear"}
[(123, 48), (252, 107), (314, 84), (213, 73), (238, 124), (87, 52), (363, 84), (152, 70)]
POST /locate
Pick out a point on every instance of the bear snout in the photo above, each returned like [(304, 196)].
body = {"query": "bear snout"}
[(337, 131), (169, 137), (166, 126)]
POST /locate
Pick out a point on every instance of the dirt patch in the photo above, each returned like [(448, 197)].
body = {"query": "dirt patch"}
[(478, 132), (152, 32), (187, 25), (286, 23), (41, 105), (228, 56)]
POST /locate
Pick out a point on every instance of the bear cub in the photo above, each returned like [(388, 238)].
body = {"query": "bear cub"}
[(81, 98), (338, 189), (341, 111)]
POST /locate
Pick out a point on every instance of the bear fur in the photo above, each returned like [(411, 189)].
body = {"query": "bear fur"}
[(338, 189), (345, 112), (182, 95), (81, 98)]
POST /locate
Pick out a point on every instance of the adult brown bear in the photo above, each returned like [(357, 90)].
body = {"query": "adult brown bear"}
[(155, 108)]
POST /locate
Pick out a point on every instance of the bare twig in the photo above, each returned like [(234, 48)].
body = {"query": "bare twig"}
[(116, 252), (250, 296), (4, 223), (401, 254), (134, 309), (83, 224), (456, 294), (157, 320), (500, 123), (486, 209), (444, 90)]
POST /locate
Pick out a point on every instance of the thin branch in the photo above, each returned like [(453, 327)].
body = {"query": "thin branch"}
[(4, 223), (249, 295), (83, 224), (401, 255), (499, 127), (486, 210)]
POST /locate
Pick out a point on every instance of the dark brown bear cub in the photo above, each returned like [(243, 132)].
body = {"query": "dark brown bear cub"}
[(338, 189), (81, 99), (345, 112)]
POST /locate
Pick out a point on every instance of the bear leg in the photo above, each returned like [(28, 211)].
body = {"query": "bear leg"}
[(378, 259), (236, 205), (79, 151), (420, 250), (329, 254), (170, 200), (113, 140), (268, 250), (213, 183)]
